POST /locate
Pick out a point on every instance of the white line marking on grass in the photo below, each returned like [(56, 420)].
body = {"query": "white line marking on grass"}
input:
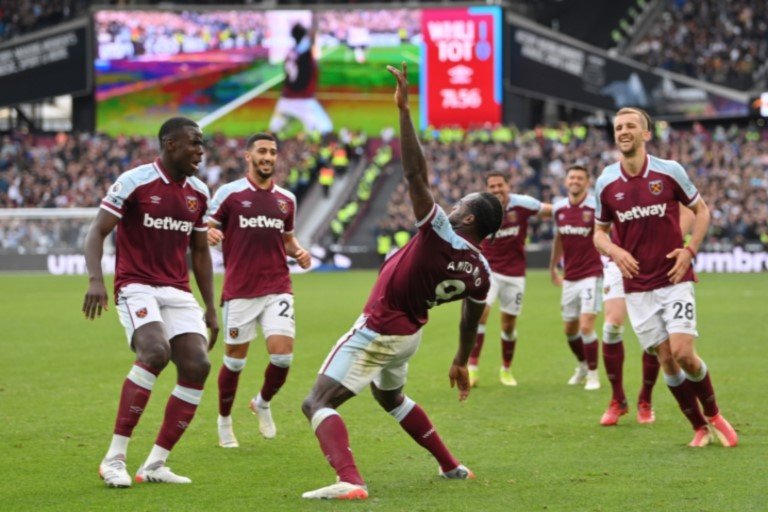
[(240, 101), (412, 56)]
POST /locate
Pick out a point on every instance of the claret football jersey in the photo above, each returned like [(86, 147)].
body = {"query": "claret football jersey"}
[(435, 266), (506, 253), (253, 221), (157, 217), (645, 215), (575, 223)]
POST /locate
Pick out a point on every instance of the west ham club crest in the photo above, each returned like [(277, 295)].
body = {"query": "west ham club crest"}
[(192, 203), (283, 205), (656, 187)]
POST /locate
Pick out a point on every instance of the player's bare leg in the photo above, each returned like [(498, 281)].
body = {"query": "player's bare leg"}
[(320, 409), (235, 357), (683, 392), (280, 350), (474, 356), (417, 424), (189, 352), (697, 374), (590, 349), (152, 355), (508, 343)]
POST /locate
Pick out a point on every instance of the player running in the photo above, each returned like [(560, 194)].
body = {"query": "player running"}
[(582, 281), (506, 255), (254, 218), (640, 196)]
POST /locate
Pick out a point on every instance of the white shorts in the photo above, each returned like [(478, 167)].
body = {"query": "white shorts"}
[(582, 297), (509, 290), (362, 356), (273, 312), (613, 283), (307, 110), (177, 310), (657, 314)]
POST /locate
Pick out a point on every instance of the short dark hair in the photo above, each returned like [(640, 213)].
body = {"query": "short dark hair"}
[(577, 167), (172, 125), (259, 136), (488, 213), (298, 32), (496, 174)]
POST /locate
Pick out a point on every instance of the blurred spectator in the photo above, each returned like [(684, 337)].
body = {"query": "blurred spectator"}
[(720, 41), (19, 17)]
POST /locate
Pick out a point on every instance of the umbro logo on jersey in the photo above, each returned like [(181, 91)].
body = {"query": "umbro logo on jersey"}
[(246, 204), (639, 212), (155, 199), (619, 196)]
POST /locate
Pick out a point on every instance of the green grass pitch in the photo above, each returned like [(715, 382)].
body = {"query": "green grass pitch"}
[(534, 447)]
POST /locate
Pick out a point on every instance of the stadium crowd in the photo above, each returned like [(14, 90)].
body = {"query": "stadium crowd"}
[(18, 17), (720, 41), (729, 165)]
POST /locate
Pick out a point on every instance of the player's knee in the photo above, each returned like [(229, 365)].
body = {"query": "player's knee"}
[(309, 406), (588, 336), (154, 353), (388, 400), (612, 333), (234, 364), (195, 368), (281, 360), (401, 411)]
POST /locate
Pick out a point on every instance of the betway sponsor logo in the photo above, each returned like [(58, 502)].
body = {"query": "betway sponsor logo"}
[(261, 221), (574, 230), (737, 260), (639, 212), (168, 224), (506, 232)]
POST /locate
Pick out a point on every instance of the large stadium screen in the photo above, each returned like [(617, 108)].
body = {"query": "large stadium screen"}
[(239, 71)]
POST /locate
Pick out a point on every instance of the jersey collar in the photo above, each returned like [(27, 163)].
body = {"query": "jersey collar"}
[(164, 174), (256, 188), (643, 172)]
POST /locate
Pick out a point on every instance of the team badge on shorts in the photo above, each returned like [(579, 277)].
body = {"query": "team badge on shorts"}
[(141, 313), (656, 187), (283, 205), (234, 332), (586, 215), (606, 290), (192, 203)]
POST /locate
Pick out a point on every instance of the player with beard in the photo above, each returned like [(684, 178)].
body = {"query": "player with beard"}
[(506, 255), (441, 263), (582, 282), (254, 218), (159, 208), (640, 197)]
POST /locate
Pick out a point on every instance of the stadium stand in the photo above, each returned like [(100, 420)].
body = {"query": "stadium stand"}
[(721, 42)]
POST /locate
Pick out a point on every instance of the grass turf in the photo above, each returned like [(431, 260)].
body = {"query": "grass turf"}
[(534, 447)]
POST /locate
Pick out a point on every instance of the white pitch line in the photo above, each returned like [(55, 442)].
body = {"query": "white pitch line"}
[(239, 101), (412, 56)]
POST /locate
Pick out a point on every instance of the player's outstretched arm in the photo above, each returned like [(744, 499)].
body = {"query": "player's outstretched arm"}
[(412, 154), (546, 210), (202, 267), (96, 296), (471, 311)]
